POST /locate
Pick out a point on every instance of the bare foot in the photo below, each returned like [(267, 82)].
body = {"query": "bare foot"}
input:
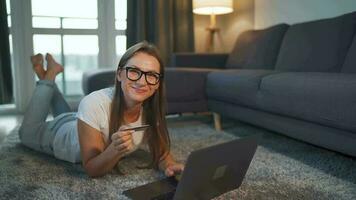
[(53, 68), (37, 64)]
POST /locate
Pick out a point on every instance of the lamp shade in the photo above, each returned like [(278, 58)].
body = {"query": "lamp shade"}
[(212, 7)]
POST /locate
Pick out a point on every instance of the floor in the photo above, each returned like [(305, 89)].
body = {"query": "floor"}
[(7, 123), (282, 168)]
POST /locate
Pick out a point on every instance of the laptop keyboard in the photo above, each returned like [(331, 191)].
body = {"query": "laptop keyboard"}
[(162, 189)]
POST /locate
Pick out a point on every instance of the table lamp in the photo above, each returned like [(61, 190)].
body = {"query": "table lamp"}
[(212, 8)]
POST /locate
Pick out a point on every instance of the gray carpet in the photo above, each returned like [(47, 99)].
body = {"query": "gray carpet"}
[(282, 168)]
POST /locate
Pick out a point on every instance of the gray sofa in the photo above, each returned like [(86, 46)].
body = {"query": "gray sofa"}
[(298, 80)]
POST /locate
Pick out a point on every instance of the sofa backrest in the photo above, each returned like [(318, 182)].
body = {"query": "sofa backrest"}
[(350, 60), (317, 46), (98, 79), (257, 49)]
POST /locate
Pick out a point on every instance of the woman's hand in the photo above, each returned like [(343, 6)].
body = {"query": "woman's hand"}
[(122, 141), (98, 158), (174, 169)]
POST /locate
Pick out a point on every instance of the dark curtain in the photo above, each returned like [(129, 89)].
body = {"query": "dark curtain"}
[(166, 23), (5, 63)]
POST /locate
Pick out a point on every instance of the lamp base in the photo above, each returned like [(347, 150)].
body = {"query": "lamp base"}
[(210, 38)]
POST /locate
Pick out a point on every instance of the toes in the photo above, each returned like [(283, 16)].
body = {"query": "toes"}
[(38, 56), (52, 64), (37, 59), (49, 57)]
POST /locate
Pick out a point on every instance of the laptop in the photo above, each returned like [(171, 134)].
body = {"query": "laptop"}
[(208, 173)]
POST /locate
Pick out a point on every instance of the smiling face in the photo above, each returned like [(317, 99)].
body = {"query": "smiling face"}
[(135, 92)]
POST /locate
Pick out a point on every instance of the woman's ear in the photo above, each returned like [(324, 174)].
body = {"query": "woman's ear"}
[(118, 77)]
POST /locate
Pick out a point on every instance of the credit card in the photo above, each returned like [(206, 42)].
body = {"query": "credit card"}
[(136, 128)]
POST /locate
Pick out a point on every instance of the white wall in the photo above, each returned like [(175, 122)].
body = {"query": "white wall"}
[(270, 12), (231, 25)]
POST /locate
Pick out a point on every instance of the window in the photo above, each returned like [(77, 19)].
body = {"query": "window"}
[(120, 14), (81, 34), (72, 34), (58, 13), (120, 25), (8, 10), (120, 45), (80, 54)]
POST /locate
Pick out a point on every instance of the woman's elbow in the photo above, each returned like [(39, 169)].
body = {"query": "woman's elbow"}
[(92, 172)]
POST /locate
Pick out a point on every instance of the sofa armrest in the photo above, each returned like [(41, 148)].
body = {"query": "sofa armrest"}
[(97, 79), (199, 60), (185, 89)]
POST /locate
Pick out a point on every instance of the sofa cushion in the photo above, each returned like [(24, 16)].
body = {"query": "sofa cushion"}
[(238, 86), (325, 98), (350, 60), (257, 49), (317, 46)]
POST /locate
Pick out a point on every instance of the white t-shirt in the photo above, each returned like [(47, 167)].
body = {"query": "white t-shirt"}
[(94, 110)]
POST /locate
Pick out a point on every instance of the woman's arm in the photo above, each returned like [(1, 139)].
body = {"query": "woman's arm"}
[(98, 159)]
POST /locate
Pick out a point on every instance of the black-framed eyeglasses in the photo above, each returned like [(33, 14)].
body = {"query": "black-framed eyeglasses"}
[(134, 74)]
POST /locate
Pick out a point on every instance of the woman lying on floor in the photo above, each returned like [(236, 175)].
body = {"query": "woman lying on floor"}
[(95, 135)]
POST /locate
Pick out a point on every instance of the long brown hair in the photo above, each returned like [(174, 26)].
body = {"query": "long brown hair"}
[(153, 108)]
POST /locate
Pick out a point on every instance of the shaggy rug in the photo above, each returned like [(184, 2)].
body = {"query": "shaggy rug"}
[(282, 168)]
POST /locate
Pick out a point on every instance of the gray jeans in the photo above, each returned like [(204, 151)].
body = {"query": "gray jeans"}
[(35, 132)]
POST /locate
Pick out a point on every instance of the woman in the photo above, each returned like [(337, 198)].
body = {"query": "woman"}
[(95, 135)]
